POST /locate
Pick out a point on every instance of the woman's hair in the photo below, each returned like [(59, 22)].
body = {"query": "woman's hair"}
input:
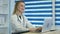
[(15, 8)]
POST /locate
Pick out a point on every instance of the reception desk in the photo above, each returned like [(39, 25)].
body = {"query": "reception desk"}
[(50, 32)]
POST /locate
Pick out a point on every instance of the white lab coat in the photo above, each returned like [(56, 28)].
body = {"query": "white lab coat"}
[(17, 26)]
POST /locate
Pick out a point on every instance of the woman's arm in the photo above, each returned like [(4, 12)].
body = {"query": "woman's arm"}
[(29, 25)]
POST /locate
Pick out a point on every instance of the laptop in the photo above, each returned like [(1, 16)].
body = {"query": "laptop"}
[(48, 23)]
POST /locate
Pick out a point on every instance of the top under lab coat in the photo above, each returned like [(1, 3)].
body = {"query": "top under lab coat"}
[(20, 25)]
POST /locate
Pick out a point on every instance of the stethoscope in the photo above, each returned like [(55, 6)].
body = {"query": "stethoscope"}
[(19, 19)]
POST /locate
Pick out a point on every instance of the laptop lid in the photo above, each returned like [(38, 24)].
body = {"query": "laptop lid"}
[(48, 22)]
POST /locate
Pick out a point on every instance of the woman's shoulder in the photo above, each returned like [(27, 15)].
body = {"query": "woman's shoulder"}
[(24, 16), (13, 16)]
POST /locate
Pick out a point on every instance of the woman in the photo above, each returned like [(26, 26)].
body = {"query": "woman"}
[(18, 20)]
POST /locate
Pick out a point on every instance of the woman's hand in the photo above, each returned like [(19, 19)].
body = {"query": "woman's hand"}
[(35, 29), (39, 29), (32, 29)]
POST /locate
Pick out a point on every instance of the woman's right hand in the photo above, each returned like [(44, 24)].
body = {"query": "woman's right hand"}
[(39, 29), (35, 29), (32, 29)]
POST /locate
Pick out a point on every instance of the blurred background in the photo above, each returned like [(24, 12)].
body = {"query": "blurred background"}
[(36, 12)]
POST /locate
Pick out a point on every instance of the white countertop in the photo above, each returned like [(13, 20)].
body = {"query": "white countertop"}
[(51, 32)]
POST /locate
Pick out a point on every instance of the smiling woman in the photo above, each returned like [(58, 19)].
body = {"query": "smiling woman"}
[(19, 23)]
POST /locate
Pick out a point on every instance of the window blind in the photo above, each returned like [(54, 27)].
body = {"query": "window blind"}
[(37, 11), (57, 12)]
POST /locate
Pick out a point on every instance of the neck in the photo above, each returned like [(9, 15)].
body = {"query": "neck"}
[(18, 13)]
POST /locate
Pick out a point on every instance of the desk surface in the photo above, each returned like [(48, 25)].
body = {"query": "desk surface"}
[(51, 32)]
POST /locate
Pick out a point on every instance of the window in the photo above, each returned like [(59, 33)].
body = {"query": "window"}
[(37, 10), (57, 12)]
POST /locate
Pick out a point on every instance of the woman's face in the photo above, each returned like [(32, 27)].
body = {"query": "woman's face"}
[(21, 7)]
